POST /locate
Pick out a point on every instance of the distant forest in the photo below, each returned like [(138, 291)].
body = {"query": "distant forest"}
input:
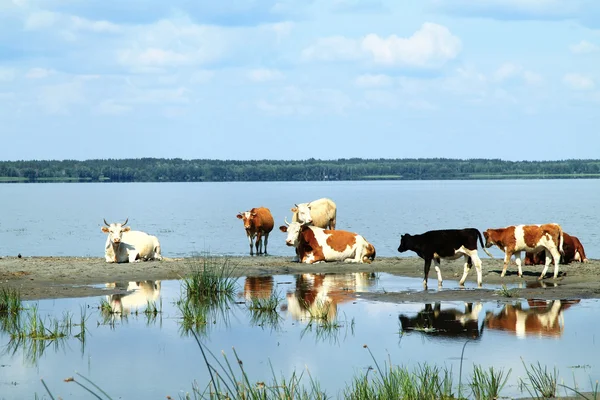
[(178, 170)]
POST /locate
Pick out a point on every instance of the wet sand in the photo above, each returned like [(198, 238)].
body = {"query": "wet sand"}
[(60, 277)]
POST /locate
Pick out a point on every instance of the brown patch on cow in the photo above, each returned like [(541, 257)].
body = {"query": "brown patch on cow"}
[(309, 246), (501, 237), (532, 234), (369, 254), (578, 247), (340, 240)]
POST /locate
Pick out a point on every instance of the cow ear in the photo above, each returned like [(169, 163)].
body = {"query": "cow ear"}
[(239, 216), (283, 228), (253, 214), (104, 229), (294, 209), (126, 229)]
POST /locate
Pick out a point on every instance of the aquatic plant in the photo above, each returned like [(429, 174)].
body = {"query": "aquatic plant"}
[(395, 382), (487, 385), (95, 390), (506, 292), (226, 383), (263, 311), (261, 304), (211, 277), (542, 383), (10, 301), (207, 293)]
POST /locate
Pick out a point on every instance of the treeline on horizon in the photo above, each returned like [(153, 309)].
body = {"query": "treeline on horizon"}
[(179, 170)]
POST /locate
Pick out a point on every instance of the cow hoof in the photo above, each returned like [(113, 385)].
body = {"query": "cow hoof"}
[(479, 285), (540, 278)]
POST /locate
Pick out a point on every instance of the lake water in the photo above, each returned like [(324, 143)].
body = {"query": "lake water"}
[(57, 219), (132, 356), (135, 356)]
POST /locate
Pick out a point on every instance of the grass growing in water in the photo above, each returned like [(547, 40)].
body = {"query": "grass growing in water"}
[(487, 385), (542, 383), (10, 301), (391, 383), (263, 311), (506, 292), (206, 293)]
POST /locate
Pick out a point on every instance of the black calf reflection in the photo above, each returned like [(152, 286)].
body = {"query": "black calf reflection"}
[(447, 323)]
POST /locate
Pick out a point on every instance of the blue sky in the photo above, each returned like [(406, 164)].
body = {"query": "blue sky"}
[(292, 79)]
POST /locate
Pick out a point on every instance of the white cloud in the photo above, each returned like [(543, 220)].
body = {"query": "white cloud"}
[(511, 9), (58, 99), (578, 81), (41, 20), (584, 47), (293, 100), (112, 107), (201, 76), (264, 75), (38, 73), (334, 48), (431, 46), (510, 71), (82, 24), (7, 74), (373, 81)]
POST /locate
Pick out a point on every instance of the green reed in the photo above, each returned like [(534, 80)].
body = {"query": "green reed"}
[(542, 382), (487, 384), (10, 301)]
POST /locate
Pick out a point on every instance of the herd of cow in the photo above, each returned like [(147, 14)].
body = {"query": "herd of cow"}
[(313, 235)]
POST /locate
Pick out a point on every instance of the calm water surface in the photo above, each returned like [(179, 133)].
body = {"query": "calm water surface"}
[(64, 219), (134, 356)]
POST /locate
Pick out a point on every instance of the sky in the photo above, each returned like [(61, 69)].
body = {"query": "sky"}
[(295, 79)]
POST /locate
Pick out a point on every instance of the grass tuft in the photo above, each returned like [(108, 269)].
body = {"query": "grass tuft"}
[(487, 385), (542, 383)]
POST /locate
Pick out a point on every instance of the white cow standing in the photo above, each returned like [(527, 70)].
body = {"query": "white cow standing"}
[(124, 245), (321, 213)]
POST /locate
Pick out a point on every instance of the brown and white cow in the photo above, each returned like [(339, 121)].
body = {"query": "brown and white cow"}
[(532, 238), (317, 296), (314, 244), (258, 223), (448, 244), (321, 213), (124, 245), (543, 318), (573, 251)]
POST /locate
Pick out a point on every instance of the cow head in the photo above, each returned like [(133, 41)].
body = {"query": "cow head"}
[(293, 233), (404, 243), (248, 218), (304, 216), (115, 232), (488, 240)]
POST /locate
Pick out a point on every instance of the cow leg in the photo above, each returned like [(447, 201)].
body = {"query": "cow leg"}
[(426, 268), (466, 270), (258, 243), (266, 242), (507, 256), (250, 241), (519, 262), (438, 271), (556, 257), (133, 256), (477, 261)]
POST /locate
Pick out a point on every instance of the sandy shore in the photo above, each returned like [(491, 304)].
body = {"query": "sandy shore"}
[(57, 277)]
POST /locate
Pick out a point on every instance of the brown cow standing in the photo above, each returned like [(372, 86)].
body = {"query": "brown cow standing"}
[(533, 238), (573, 251), (257, 222)]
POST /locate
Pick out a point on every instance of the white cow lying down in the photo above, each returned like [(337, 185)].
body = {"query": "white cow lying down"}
[(124, 245)]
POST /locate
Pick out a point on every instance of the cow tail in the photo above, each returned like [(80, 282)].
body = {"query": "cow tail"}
[(482, 245), (561, 241)]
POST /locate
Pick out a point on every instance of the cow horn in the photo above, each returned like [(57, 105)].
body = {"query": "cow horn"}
[(286, 221), (125, 223), (107, 224), (295, 205)]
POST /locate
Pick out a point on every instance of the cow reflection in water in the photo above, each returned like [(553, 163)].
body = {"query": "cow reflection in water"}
[(260, 287), (542, 319), (138, 295), (448, 323), (318, 295)]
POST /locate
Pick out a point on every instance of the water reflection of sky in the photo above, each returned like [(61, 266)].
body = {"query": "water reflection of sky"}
[(134, 358)]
